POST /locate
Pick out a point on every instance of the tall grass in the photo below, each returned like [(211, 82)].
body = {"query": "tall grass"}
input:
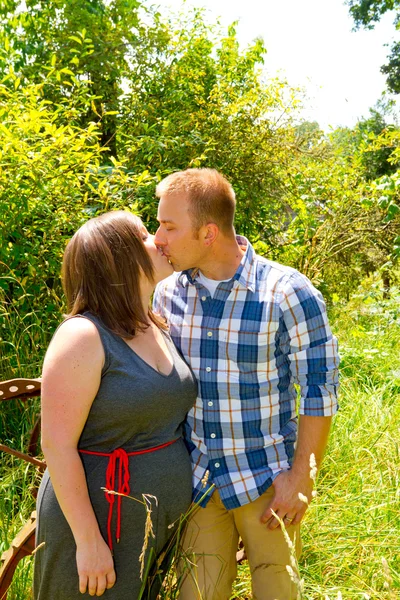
[(355, 523), (351, 532), (24, 330), (24, 337)]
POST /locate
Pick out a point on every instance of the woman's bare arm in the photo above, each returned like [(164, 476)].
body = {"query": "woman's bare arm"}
[(70, 381)]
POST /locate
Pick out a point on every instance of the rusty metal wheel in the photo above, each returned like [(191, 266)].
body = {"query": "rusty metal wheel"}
[(22, 545)]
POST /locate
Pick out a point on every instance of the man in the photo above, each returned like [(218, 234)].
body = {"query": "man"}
[(251, 330)]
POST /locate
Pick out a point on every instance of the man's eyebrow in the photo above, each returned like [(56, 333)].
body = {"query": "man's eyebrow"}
[(165, 221)]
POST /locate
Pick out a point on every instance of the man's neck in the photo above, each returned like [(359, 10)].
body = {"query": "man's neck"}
[(223, 261)]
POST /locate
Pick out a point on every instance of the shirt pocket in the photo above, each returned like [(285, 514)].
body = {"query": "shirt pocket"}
[(248, 349)]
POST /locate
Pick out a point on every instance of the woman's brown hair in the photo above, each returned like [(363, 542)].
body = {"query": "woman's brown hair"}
[(101, 271)]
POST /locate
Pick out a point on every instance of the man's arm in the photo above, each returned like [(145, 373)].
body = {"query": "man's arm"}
[(313, 435), (311, 350)]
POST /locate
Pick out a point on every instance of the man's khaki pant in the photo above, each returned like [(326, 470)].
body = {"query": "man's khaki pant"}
[(210, 543)]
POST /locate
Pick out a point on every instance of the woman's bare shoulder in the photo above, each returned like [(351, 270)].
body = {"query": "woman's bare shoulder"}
[(76, 335)]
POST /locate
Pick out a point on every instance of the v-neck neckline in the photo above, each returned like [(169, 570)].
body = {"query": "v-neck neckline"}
[(148, 364)]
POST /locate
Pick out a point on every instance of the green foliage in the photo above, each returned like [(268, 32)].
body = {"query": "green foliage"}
[(367, 162), (192, 98), (338, 233), (375, 162), (94, 38), (358, 144), (51, 181), (192, 106), (367, 12), (392, 69), (203, 98)]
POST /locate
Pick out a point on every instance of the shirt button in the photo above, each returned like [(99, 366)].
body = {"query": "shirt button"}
[(204, 298), (210, 403), (216, 465), (209, 334), (212, 435), (208, 369)]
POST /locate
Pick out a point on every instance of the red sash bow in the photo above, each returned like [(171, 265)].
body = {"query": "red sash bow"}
[(120, 456)]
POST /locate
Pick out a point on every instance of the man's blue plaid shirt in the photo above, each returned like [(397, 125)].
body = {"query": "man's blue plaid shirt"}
[(264, 331)]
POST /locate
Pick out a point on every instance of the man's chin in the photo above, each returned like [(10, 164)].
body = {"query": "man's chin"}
[(177, 267)]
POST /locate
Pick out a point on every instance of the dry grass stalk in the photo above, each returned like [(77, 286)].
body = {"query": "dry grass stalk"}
[(148, 526), (293, 568), (38, 548), (148, 529), (388, 584)]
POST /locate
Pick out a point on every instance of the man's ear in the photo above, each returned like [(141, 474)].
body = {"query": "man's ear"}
[(210, 233)]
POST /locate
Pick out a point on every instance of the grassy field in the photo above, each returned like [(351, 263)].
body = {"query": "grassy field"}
[(351, 533)]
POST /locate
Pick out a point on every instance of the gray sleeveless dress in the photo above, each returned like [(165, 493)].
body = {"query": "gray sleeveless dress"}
[(136, 408)]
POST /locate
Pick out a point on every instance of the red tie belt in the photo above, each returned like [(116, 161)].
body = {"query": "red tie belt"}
[(123, 481)]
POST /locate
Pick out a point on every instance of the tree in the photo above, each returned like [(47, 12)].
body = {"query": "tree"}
[(358, 144), (96, 39), (192, 97), (392, 69), (205, 103), (365, 14)]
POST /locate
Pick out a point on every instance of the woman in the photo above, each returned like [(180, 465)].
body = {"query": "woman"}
[(114, 395)]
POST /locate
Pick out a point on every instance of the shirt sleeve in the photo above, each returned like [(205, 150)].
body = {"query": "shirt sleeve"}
[(307, 342), (158, 302)]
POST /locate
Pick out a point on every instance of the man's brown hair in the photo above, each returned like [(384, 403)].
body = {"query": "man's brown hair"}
[(101, 271), (211, 196)]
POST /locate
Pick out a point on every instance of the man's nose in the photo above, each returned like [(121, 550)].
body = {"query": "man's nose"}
[(159, 239)]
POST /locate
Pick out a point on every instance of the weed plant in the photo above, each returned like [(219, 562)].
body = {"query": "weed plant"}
[(351, 532)]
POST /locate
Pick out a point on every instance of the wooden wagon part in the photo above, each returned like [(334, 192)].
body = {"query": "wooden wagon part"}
[(19, 388), (22, 545), (23, 389), (26, 457), (24, 542)]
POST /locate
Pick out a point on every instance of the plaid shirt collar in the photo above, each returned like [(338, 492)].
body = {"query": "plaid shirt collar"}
[(245, 274)]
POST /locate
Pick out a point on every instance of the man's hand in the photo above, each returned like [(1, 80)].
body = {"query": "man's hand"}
[(286, 502), (311, 441)]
